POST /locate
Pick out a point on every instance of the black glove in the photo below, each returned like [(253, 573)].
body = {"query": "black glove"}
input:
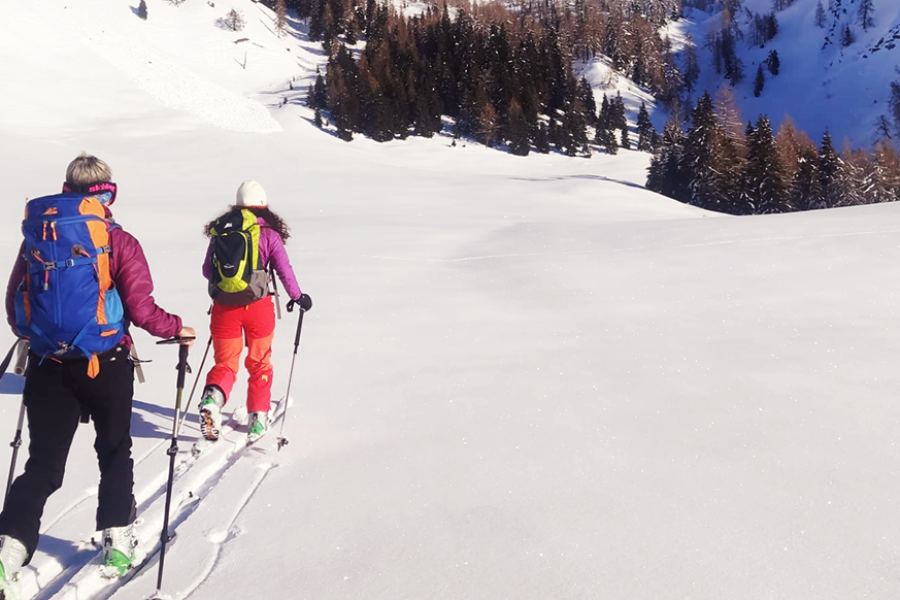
[(304, 302)]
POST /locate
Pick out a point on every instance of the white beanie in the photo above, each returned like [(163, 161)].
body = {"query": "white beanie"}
[(251, 194)]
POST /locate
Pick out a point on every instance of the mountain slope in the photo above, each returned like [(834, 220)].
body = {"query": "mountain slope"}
[(821, 84)]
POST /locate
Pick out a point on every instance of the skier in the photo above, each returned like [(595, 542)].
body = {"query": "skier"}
[(92, 376), (244, 242)]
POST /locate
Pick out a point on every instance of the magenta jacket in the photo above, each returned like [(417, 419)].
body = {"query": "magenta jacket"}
[(271, 252), (131, 276)]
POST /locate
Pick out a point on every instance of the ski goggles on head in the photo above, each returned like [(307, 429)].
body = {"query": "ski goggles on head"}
[(105, 191)]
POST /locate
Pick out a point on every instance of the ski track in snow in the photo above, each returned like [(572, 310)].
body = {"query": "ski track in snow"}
[(180, 89), (175, 86), (223, 536), (195, 478)]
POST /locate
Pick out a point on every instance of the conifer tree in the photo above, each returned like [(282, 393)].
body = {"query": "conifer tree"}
[(574, 129), (586, 95), (887, 174), (605, 135), (765, 177), (847, 36), (319, 95), (316, 25), (142, 10), (703, 158), (774, 62), (894, 104), (554, 135), (760, 82), (541, 139), (820, 15), (667, 173), (644, 130), (828, 166), (806, 188), (691, 66), (733, 67), (517, 131), (351, 30), (856, 178), (617, 112)]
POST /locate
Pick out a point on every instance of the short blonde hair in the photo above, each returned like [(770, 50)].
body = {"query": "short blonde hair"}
[(85, 171)]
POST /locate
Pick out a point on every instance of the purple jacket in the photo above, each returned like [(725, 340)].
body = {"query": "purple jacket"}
[(131, 276), (271, 252)]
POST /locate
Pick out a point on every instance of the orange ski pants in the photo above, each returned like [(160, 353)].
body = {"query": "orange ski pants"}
[(229, 328)]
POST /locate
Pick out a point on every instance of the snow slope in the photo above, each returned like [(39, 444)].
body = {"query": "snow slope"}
[(821, 85), (522, 378)]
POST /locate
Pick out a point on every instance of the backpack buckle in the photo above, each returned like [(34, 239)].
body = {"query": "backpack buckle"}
[(70, 262), (49, 266)]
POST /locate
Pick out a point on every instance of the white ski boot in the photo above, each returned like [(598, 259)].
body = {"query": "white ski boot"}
[(211, 404), (12, 557), (119, 550)]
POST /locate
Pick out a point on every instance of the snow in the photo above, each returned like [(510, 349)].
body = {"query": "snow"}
[(522, 378), (820, 86)]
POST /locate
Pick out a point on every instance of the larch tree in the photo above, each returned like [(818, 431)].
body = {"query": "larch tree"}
[(866, 14)]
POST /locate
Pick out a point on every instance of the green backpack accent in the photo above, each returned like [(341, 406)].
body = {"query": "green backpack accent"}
[(237, 277)]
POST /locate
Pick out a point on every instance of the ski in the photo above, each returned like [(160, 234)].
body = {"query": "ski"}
[(198, 471)]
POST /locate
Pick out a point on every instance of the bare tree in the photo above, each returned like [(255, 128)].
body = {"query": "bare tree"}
[(280, 18), (233, 21), (865, 14)]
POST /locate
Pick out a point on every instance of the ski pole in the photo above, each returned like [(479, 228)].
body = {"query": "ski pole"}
[(183, 368), (194, 388), (21, 360), (8, 358), (15, 445), (283, 441)]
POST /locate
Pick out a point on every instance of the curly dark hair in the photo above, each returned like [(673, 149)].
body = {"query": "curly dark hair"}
[(272, 220)]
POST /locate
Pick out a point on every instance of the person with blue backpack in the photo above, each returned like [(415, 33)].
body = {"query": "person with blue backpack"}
[(245, 243), (79, 283)]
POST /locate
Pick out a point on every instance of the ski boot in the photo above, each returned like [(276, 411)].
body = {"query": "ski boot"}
[(12, 557), (259, 426), (119, 550), (211, 404)]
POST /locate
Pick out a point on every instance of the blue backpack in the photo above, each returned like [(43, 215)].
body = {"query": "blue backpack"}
[(67, 304)]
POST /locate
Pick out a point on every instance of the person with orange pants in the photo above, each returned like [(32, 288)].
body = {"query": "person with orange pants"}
[(249, 317)]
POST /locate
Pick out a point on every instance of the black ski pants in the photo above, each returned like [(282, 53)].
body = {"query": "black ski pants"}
[(56, 395)]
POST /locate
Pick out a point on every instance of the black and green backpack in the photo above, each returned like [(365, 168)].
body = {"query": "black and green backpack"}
[(237, 277)]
